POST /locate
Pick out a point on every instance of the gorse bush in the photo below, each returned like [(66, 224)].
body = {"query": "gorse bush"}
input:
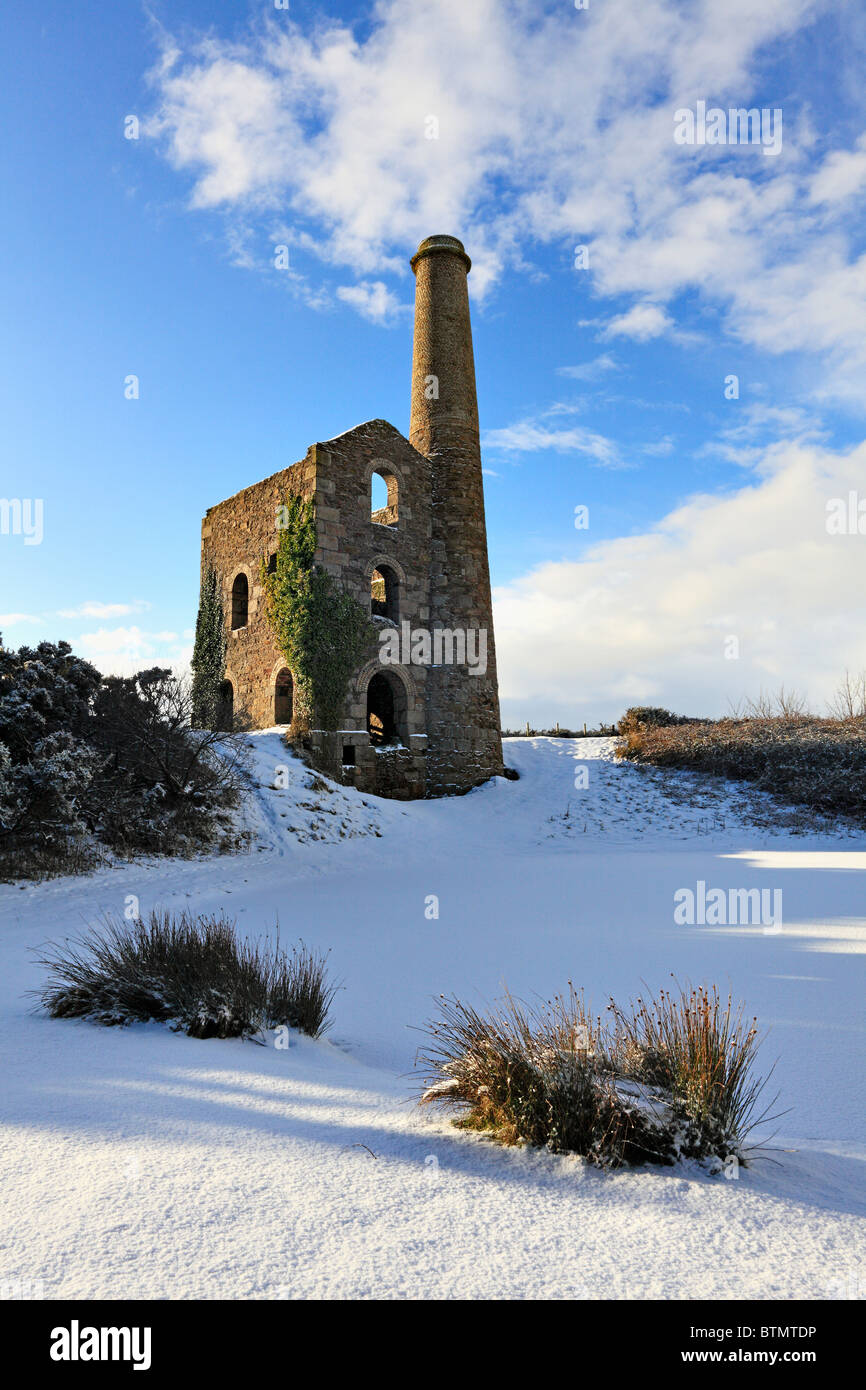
[(649, 717), (191, 972), (163, 787), (46, 764), (669, 1079), (89, 763)]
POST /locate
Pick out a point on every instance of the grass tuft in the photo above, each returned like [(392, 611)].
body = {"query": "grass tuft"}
[(191, 972), (700, 1055), (667, 1079)]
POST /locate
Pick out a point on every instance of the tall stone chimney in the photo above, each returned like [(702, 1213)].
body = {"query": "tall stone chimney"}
[(463, 724)]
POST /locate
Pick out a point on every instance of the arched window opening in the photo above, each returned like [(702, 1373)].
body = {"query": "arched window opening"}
[(272, 563), (385, 594), (284, 691), (383, 498), (240, 601), (226, 707), (386, 710)]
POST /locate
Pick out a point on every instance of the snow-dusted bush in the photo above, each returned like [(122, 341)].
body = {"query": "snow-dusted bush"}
[(191, 972), (820, 763), (43, 798), (87, 761), (670, 1079), (43, 690), (47, 767), (164, 787)]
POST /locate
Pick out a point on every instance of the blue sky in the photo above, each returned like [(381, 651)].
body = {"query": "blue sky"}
[(601, 386)]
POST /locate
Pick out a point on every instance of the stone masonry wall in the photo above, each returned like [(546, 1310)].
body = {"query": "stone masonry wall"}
[(235, 536), (353, 542)]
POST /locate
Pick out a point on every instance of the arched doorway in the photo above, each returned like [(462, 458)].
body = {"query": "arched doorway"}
[(386, 709), (284, 693)]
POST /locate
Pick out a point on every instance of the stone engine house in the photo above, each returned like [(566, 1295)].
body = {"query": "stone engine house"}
[(415, 556)]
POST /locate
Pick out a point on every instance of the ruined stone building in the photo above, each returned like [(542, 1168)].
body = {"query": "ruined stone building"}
[(416, 557)]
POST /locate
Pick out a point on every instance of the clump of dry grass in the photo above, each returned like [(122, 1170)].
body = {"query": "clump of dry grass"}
[(667, 1079), (191, 972), (700, 1054), (534, 1077)]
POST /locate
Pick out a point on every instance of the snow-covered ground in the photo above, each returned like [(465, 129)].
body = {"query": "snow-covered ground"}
[(139, 1163)]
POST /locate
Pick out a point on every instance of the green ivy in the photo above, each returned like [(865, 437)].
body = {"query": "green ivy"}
[(209, 654), (321, 629)]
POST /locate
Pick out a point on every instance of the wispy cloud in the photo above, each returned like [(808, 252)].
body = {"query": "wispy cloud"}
[(841, 176), (534, 434), (95, 609), (659, 448), (14, 619), (590, 371), (758, 425)]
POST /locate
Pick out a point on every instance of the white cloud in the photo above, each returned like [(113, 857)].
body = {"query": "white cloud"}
[(659, 448), (531, 435), (563, 134), (13, 619), (123, 650), (590, 371), (372, 299), (95, 609), (642, 322), (644, 618), (841, 176)]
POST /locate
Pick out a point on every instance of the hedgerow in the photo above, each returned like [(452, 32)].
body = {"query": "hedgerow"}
[(804, 759)]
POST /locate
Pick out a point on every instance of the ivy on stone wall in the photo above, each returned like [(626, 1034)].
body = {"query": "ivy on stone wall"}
[(209, 654), (322, 631)]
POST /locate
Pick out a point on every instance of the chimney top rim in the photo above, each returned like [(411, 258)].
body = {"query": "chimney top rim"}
[(436, 244)]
